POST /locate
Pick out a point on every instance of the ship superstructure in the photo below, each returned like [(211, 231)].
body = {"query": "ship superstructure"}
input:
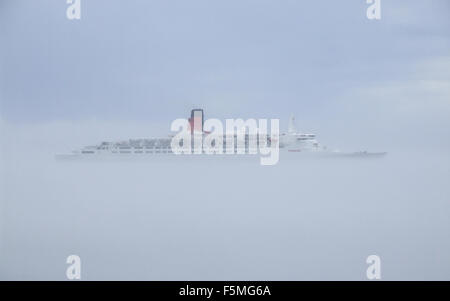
[(163, 145), (295, 141), (291, 141)]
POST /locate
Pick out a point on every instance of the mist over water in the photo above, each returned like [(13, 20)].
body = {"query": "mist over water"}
[(126, 69), (211, 218)]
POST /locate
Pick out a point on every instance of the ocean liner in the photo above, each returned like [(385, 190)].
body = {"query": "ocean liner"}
[(291, 141)]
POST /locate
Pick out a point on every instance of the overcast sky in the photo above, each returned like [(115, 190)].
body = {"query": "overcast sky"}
[(323, 61)]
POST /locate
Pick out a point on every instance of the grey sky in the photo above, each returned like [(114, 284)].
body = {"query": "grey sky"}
[(155, 60)]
